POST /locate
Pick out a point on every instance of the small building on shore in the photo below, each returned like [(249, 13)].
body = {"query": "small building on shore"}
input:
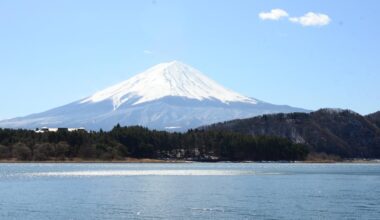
[(46, 129)]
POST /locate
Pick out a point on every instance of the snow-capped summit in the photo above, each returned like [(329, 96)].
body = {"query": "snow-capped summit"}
[(167, 79), (170, 96)]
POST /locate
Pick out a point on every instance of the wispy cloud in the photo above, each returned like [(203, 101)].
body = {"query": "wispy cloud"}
[(309, 19), (312, 19), (274, 14), (148, 52)]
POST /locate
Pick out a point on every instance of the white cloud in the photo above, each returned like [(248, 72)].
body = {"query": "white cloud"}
[(148, 52), (274, 14), (312, 19)]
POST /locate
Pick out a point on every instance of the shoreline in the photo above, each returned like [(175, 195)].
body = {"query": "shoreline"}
[(148, 160), (127, 160)]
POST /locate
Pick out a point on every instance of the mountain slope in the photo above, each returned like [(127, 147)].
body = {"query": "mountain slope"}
[(167, 79), (374, 118), (170, 95), (339, 132)]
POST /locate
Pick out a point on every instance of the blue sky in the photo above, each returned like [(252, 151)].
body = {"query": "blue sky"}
[(56, 52)]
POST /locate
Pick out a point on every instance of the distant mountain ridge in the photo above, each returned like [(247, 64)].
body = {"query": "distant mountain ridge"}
[(168, 96), (333, 131)]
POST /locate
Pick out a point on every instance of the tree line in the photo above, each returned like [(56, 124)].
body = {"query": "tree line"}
[(140, 142)]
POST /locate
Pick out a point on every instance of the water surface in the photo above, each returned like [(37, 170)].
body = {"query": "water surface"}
[(190, 191)]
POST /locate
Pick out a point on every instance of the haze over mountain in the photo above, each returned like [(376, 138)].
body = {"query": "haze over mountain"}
[(170, 95)]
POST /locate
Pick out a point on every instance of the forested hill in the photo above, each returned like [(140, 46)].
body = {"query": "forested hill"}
[(338, 132), (139, 142), (375, 118)]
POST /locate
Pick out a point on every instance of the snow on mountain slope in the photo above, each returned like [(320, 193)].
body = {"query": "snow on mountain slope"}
[(168, 96), (167, 79)]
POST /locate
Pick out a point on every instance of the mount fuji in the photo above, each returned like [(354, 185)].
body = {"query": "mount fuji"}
[(168, 96)]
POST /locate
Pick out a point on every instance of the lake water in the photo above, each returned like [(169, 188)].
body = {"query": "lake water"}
[(190, 191)]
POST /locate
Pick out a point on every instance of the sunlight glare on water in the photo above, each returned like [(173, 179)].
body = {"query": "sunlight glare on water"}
[(146, 173)]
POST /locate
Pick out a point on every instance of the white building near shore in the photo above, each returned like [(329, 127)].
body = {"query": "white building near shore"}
[(46, 129)]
